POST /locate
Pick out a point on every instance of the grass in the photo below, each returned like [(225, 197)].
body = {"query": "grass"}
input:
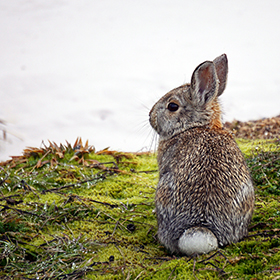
[(69, 212)]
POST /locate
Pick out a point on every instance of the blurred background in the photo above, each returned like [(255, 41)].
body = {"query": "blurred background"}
[(94, 68)]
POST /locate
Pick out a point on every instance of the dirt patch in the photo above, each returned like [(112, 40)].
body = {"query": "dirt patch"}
[(268, 128)]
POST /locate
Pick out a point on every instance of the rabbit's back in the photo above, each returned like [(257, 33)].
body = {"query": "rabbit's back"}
[(203, 182), (205, 195)]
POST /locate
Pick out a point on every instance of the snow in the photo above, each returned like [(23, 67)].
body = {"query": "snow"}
[(94, 68)]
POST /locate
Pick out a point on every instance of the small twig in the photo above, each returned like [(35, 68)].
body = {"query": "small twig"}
[(73, 275), (19, 211), (264, 234), (104, 203), (73, 185), (138, 276), (143, 171), (27, 187), (194, 264), (39, 161), (267, 164), (7, 197), (216, 253), (117, 223), (123, 205), (261, 224), (48, 242), (2, 181), (220, 270), (124, 260), (169, 277)]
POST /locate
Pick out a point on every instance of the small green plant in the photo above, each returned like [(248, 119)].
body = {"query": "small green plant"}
[(265, 169)]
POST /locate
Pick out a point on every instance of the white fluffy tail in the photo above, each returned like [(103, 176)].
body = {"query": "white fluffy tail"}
[(197, 240)]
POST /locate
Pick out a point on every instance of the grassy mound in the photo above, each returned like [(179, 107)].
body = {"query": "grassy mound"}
[(69, 212)]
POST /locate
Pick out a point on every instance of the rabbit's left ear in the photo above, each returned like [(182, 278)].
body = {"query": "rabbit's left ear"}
[(221, 65), (204, 84)]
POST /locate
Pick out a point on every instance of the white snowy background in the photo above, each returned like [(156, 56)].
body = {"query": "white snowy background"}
[(94, 68)]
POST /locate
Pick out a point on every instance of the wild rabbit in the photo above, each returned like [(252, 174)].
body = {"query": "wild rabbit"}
[(205, 196)]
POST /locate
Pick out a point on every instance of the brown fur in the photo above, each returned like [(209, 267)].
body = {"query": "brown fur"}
[(216, 122), (204, 181)]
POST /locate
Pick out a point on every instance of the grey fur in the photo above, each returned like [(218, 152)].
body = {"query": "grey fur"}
[(204, 181)]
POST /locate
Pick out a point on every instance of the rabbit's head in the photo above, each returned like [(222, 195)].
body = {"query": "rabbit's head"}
[(192, 105)]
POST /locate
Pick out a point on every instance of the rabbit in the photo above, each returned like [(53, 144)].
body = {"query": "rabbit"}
[(205, 196)]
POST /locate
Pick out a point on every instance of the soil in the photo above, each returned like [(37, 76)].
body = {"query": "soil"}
[(268, 128)]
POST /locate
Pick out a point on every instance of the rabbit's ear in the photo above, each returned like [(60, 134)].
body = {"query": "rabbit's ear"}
[(204, 83), (221, 65)]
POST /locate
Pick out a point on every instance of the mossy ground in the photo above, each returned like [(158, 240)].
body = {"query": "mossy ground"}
[(68, 212)]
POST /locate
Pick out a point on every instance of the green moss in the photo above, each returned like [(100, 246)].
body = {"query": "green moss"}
[(254, 147), (11, 226), (69, 212)]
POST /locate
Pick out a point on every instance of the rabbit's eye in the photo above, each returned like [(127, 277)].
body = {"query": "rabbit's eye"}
[(172, 107)]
